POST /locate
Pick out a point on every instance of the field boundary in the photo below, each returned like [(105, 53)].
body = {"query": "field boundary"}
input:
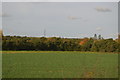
[(58, 52)]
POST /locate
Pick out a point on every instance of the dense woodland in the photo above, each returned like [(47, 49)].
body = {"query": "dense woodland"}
[(95, 44)]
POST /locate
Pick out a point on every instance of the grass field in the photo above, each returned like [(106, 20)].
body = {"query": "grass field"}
[(59, 64)]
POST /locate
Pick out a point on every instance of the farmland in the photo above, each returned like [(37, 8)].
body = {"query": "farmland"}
[(59, 64)]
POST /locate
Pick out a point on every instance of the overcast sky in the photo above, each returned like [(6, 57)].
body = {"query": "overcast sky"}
[(75, 19)]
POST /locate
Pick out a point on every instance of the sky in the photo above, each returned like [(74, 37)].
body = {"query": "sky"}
[(60, 19), (60, 0)]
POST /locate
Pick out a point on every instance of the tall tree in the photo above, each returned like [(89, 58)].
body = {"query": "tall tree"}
[(95, 36), (99, 37)]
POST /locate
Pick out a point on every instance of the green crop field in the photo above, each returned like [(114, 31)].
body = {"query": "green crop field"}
[(59, 64)]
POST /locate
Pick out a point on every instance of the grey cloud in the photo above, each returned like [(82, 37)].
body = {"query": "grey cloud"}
[(102, 9), (4, 15), (99, 29), (73, 17)]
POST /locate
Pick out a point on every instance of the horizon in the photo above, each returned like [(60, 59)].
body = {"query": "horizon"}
[(59, 37)]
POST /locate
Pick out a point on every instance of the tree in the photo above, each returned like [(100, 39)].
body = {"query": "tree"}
[(60, 44), (95, 36), (87, 46), (99, 37)]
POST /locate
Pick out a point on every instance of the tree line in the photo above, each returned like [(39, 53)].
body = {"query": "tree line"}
[(95, 44)]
